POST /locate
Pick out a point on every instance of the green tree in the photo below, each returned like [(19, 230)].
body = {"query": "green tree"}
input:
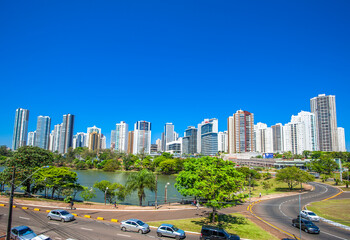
[(55, 179), (140, 181), (87, 193), (26, 160), (4, 151), (212, 179), (267, 185), (128, 161), (293, 176), (325, 165), (111, 190), (111, 165)]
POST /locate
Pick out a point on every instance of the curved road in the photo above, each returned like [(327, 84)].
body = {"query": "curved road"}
[(280, 212)]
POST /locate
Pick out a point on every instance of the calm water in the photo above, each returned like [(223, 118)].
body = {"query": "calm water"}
[(89, 177)]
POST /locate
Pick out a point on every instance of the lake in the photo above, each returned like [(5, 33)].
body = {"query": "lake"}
[(89, 177)]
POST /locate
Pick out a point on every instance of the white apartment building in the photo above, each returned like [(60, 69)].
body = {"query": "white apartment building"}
[(31, 138), (263, 138), (222, 141), (309, 129), (121, 137), (142, 137), (341, 139)]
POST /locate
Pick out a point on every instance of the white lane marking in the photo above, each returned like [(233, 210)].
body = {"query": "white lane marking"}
[(54, 223), (88, 229), (24, 218), (334, 235), (123, 235)]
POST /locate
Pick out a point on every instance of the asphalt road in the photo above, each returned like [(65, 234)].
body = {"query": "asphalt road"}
[(281, 211), (80, 229)]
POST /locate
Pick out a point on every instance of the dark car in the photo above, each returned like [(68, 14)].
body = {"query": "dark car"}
[(211, 233), (306, 225)]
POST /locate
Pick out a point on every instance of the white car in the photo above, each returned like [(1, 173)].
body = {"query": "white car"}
[(41, 237), (309, 215)]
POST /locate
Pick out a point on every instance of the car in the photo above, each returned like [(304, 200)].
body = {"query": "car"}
[(134, 225), (22, 233), (169, 230), (309, 215), (41, 237), (210, 232), (60, 215), (306, 225)]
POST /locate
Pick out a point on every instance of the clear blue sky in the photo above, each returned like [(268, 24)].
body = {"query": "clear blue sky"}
[(171, 61)]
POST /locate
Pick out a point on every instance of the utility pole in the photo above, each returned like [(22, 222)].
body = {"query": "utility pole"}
[(9, 222)]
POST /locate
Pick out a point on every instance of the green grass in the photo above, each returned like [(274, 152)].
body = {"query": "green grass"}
[(233, 223), (336, 210)]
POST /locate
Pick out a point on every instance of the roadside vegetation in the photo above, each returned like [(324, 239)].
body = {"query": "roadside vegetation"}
[(232, 223), (335, 210)]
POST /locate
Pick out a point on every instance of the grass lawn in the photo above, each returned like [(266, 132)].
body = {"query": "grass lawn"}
[(233, 223), (277, 187), (336, 210)]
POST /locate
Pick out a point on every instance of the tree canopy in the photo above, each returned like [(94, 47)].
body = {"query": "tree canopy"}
[(293, 176)]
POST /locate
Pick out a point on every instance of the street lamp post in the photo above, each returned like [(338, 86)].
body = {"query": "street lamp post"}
[(166, 191), (106, 194)]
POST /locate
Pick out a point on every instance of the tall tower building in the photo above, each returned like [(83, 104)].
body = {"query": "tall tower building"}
[(20, 131), (241, 132), (80, 139), (277, 138), (113, 138), (91, 130), (121, 136), (168, 136), (142, 137), (103, 142), (94, 141), (131, 142), (293, 137), (209, 137), (326, 122), (263, 138), (309, 135), (31, 138), (222, 142), (189, 141), (341, 139), (66, 134), (56, 137), (51, 140), (215, 127), (42, 137)]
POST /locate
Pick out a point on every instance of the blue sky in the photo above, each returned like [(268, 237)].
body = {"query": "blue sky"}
[(171, 61)]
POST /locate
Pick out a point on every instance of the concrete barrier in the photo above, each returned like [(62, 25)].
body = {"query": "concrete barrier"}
[(114, 220), (36, 209), (25, 208), (100, 218), (87, 216)]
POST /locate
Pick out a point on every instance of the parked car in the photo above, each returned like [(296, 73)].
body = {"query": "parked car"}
[(22, 233), (309, 215), (306, 225), (60, 215), (134, 225), (169, 230), (41, 237), (210, 233)]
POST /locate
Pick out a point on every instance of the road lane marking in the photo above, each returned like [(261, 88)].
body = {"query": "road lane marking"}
[(123, 235), (54, 223), (88, 229), (24, 218)]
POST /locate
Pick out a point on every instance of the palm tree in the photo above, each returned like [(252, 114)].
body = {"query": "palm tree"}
[(140, 181)]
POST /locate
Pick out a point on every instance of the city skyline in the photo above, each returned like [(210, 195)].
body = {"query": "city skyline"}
[(210, 59)]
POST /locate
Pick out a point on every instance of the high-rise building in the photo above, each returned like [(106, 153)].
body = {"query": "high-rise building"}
[(113, 138), (174, 146), (263, 138), (214, 121), (80, 139), (142, 137), (52, 140), (326, 122), (20, 131), (91, 130), (222, 142), (341, 139), (159, 145), (94, 141), (43, 132), (209, 137), (154, 148), (66, 134), (56, 137), (131, 142), (293, 137), (121, 136), (241, 132), (168, 136), (189, 141), (309, 135), (103, 142), (277, 138), (31, 138)]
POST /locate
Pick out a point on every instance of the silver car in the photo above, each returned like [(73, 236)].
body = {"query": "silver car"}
[(134, 225), (60, 215), (309, 215), (169, 230)]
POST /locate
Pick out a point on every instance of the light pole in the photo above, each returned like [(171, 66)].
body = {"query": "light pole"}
[(13, 188), (166, 191), (106, 194)]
